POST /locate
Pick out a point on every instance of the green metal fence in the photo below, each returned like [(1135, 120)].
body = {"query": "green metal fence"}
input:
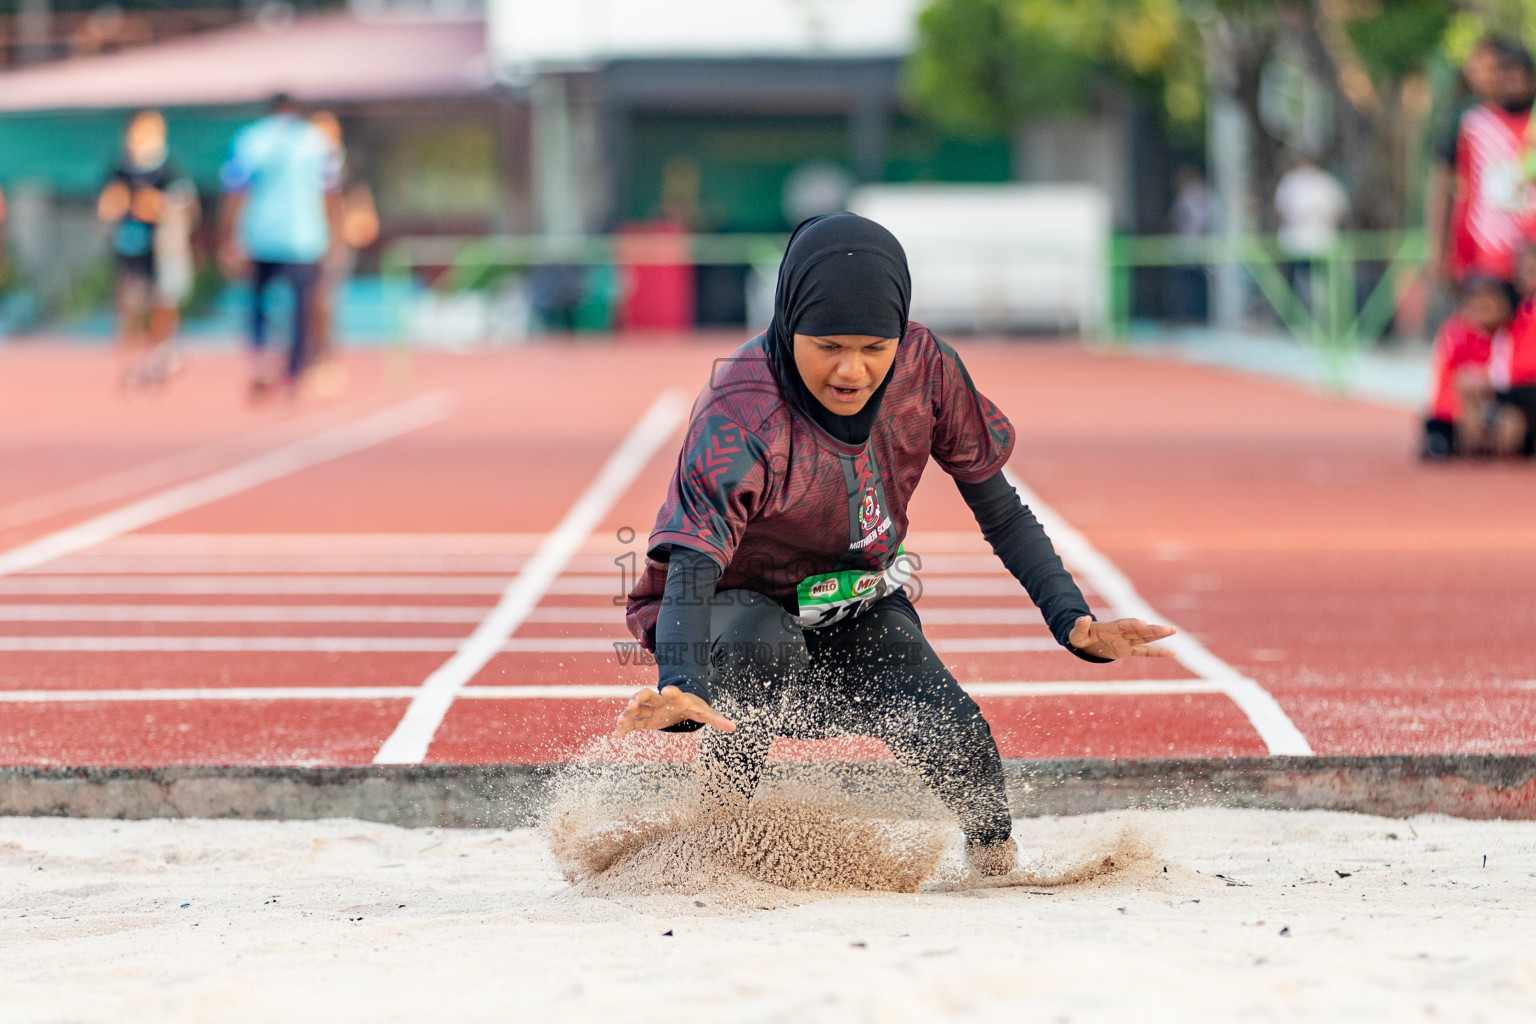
[(1333, 317)]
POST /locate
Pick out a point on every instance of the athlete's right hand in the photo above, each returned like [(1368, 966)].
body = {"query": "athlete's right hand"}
[(651, 710)]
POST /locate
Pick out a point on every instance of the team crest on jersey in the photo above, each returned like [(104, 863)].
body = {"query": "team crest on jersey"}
[(873, 522), (869, 513)]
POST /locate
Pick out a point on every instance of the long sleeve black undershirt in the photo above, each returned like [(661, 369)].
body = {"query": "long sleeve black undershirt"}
[(682, 628)]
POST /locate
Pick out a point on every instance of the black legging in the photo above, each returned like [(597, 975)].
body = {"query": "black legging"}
[(302, 278), (872, 675)]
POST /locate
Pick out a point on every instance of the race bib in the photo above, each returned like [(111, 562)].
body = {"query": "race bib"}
[(835, 596)]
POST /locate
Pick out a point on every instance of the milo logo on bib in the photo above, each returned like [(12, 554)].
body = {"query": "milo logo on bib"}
[(826, 588), (834, 596)]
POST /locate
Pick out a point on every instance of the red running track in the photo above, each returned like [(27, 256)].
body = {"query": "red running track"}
[(1342, 598)]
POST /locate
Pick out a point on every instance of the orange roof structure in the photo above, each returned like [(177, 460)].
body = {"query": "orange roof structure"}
[(330, 58)]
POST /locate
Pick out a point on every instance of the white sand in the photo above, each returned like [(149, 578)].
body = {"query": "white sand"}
[(345, 921)]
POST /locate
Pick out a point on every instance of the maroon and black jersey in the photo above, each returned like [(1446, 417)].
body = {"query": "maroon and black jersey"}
[(775, 500)]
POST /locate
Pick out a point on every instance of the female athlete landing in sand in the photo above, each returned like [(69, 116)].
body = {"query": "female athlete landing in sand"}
[(773, 592)]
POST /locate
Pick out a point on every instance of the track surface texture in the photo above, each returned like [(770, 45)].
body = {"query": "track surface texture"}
[(425, 570)]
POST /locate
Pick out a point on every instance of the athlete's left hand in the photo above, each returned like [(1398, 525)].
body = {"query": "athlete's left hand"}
[(1122, 638)]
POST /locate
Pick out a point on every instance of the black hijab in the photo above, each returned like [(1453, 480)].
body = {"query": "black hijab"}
[(842, 274)]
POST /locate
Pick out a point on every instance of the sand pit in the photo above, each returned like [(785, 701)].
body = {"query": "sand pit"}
[(1258, 916)]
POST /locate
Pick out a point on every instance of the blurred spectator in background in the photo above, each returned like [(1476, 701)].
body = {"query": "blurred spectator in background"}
[(1310, 205), (1445, 207), (1494, 209), (280, 217), (1461, 397), (150, 215), (1193, 216), (1512, 368), (357, 229)]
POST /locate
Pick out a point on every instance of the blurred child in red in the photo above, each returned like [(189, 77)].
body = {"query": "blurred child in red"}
[(1512, 368), (1461, 396)]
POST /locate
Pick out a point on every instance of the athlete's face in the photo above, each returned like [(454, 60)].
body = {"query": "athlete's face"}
[(843, 370)]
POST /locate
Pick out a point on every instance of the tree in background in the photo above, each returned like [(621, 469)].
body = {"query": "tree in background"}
[(1349, 83), (985, 66)]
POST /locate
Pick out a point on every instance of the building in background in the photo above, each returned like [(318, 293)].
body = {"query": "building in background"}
[(424, 121), (573, 118), (750, 117)]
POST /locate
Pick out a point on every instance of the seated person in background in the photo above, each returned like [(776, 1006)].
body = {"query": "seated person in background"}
[(1460, 395), (1512, 369)]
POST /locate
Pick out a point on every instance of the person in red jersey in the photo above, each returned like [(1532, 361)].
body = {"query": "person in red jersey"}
[(1512, 369), (1495, 208), (774, 589), (1444, 214), (1460, 405)]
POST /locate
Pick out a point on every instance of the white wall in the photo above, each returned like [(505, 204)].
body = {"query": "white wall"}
[(528, 34), (1000, 257)]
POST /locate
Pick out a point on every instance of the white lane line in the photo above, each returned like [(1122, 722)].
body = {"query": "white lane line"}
[(301, 644), (568, 613), (985, 565), (247, 693), (464, 584), (243, 613), (92, 565), (999, 585), (448, 586), (421, 644), (143, 545), (1090, 688), (240, 693), (409, 742), (246, 644), (993, 644), (119, 484), (1274, 726), (280, 462), (198, 565), (404, 614), (1127, 687), (1024, 616)]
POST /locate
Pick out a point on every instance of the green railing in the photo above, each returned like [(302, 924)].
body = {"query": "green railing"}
[(458, 264), (1336, 322), (464, 263)]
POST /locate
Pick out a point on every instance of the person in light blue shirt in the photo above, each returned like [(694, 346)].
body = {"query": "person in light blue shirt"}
[(281, 181)]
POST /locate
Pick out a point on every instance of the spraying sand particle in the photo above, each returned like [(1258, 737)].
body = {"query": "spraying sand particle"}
[(627, 831), (789, 845), (620, 830)]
